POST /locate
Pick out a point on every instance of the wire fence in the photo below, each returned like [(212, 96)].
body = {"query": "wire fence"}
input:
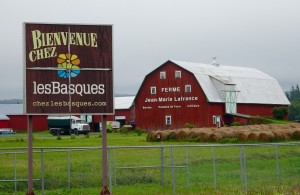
[(174, 169)]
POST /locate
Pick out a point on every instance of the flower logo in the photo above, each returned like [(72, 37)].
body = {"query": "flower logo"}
[(68, 65)]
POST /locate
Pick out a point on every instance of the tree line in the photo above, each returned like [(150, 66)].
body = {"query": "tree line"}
[(294, 97)]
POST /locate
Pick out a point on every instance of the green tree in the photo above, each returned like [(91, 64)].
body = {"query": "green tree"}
[(294, 97), (280, 112)]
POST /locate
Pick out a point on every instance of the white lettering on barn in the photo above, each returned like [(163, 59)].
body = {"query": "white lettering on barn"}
[(170, 89)]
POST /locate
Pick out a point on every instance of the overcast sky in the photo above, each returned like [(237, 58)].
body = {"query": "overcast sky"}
[(262, 34)]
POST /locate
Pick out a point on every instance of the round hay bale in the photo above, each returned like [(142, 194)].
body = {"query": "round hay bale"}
[(165, 135), (253, 136), (215, 137), (196, 133), (279, 135), (287, 132), (183, 134), (266, 136), (292, 126), (243, 136), (296, 134), (171, 135), (153, 136), (204, 136), (228, 133)]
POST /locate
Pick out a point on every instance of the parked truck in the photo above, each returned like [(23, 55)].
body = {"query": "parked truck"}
[(66, 125), (110, 125)]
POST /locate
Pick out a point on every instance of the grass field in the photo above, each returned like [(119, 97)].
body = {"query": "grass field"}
[(195, 178)]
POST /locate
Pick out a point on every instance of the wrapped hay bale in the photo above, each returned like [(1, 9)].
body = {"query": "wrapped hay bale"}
[(266, 136), (215, 137)]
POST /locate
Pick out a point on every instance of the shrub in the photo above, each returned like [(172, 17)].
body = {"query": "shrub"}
[(236, 124), (279, 112), (257, 121), (123, 130), (138, 131), (188, 125)]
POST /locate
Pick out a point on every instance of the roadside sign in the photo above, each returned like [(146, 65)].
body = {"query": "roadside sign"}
[(68, 69)]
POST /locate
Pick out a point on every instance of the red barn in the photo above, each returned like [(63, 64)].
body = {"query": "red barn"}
[(4, 121), (204, 95)]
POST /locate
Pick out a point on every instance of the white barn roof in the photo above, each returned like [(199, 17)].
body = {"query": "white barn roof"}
[(252, 85), (123, 102), (3, 117)]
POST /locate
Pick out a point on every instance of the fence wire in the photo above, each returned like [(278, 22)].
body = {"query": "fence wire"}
[(173, 169)]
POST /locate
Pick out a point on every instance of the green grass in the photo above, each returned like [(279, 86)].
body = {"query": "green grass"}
[(274, 121), (85, 166), (267, 120)]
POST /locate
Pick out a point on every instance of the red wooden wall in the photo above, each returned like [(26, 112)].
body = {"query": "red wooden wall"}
[(4, 124), (19, 122)]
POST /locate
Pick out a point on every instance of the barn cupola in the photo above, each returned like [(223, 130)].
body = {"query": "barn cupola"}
[(214, 61)]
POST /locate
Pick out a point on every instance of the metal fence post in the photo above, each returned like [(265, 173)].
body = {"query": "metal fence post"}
[(277, 167), (173, 171), (42, 171), (15, 171), (214, 167), (109, 169), (187, 167), (69, 169), (242, 168), (115, 168), (245, 169), (162, 164)]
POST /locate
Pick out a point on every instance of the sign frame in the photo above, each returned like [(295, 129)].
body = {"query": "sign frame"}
[(105, 74)]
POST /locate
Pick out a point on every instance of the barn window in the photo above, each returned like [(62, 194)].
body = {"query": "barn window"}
[(153, 90), (163, 75), (177, 74), (188, 88), (168, 120)]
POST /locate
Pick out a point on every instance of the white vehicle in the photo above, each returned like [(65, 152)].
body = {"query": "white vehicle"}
[(110, 125), (66, 125)]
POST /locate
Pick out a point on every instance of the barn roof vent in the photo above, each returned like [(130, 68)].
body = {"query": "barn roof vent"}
[(214, 62)]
